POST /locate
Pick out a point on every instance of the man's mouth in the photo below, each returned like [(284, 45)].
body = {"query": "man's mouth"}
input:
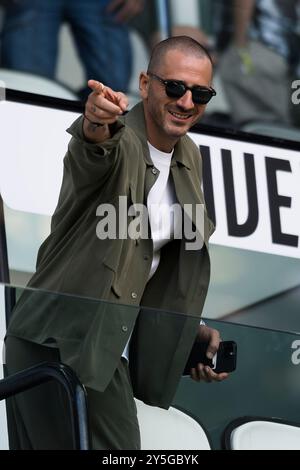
[(181, 116)]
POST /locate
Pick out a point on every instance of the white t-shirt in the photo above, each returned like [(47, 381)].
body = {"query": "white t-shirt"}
[(163, 221), (161, 197)]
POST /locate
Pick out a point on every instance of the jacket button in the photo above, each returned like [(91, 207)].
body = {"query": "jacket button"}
[(134, 295), (124, 328), (146, 257), (154, 171)]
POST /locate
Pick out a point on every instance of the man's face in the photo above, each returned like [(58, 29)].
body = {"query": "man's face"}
[(167, 119)]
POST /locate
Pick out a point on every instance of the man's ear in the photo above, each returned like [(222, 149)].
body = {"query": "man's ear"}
[(144, 85)]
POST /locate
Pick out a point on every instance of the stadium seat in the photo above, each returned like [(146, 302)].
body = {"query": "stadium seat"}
[(256, 433), (31, 83), (170, 429)]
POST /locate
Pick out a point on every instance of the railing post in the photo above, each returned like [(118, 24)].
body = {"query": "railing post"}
[(44, 372)]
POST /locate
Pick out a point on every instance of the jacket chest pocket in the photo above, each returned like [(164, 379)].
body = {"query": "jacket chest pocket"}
[(121, 250)]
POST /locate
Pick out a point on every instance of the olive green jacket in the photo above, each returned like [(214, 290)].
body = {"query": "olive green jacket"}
[(91, 334)]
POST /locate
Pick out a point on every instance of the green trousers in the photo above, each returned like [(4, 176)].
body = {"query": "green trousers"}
[(39, 418)]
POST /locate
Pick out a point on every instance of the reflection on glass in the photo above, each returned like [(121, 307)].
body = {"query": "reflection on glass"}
[(266, 382)]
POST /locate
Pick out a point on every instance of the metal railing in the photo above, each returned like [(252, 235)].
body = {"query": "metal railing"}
[(45, 372)]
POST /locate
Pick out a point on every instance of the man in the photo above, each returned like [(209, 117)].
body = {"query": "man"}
[(31, 29), (256, 66), (144, 158)]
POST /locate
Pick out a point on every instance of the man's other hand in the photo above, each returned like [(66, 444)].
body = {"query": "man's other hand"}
[(202, 372)]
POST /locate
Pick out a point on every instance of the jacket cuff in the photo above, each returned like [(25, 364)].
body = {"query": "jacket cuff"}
[(76, 131)]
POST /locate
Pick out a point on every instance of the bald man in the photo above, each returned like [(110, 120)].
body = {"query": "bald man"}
[(146, 158)]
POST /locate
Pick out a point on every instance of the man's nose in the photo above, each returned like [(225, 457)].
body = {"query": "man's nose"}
[(186, 101)]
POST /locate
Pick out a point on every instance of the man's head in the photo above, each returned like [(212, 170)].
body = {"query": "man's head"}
[(168, 117)]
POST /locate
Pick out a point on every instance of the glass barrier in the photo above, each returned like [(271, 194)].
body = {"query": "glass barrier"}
[(92, 335), (266, 382), (246, 287), (258, 286), (254, 49)]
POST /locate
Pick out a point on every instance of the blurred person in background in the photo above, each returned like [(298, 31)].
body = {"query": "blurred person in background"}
[(99, 28), (258, 43)]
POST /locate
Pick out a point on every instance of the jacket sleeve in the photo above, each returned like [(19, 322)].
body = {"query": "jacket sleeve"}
[(88, 164), (87, 167)]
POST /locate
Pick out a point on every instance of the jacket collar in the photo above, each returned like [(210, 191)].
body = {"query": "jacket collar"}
[(135, 119)]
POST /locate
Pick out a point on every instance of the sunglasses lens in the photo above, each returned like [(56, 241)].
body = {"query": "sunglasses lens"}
[(202, 95), (175, 89)]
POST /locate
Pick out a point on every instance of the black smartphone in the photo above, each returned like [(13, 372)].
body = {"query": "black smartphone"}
[(223, 361)]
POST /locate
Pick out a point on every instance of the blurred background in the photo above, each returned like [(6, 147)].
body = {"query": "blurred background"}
[(53, 46)]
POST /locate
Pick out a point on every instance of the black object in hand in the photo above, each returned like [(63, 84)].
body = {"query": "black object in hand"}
[(223, 361)]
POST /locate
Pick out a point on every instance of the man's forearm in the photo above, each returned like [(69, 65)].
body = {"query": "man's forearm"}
[(242, 15)]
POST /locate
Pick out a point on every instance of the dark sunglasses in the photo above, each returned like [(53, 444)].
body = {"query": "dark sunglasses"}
[(177, 88)]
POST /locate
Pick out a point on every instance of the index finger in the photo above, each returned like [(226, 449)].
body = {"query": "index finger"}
[(96, 86)]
